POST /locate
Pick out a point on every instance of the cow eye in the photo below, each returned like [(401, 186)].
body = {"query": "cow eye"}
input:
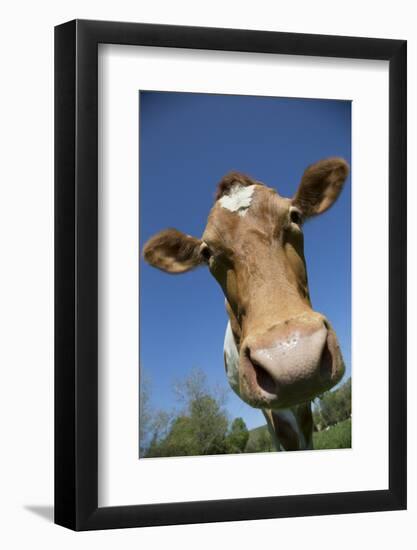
[(205, 252), (296, 217)]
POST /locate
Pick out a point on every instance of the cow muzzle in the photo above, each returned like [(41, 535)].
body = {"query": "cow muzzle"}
[(291, 363)]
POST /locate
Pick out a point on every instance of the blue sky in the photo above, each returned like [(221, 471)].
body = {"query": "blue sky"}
[(187, 143)]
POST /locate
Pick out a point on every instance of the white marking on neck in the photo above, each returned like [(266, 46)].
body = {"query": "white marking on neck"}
[(238, 199), (231, 357), (289, 416)]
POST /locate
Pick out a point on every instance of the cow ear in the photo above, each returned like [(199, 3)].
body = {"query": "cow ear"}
[(173, 251), (320, 186)]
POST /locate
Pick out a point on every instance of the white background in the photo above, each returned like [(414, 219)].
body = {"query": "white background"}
[(26, 399), (123, 479)]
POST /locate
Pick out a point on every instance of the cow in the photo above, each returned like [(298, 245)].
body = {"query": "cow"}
[(279, 353)]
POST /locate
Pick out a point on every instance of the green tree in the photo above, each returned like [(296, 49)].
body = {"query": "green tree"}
[(201, 427), (209, 424), (145, 414), (333, 406), (237, 436), (178, 442), (153, 424)]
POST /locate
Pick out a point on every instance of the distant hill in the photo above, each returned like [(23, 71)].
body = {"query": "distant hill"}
[(259, 440), (256, 433)]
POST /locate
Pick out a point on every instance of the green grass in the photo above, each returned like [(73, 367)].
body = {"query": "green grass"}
[(336, 437)]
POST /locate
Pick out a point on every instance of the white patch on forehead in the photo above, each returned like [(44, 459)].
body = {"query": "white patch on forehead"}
[(231, 358), (238, 199)]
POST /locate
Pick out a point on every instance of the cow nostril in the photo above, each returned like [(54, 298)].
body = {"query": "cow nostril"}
[(326, 361), (263, 379)]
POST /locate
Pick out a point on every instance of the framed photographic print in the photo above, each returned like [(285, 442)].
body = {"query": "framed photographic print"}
[(230, 275)]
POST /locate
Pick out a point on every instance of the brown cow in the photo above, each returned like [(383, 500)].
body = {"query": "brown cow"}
[(279, 353)]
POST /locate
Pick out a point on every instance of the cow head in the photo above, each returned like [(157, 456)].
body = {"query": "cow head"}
[(253, 246)]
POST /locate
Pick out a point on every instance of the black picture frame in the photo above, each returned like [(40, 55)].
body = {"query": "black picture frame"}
[(76, 272)]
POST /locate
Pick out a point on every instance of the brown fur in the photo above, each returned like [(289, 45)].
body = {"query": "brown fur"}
[(258, 260)]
